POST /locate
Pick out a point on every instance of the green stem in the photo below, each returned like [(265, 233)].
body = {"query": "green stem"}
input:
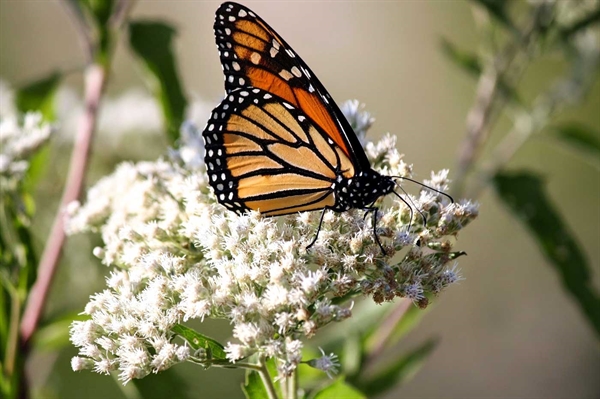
[(266, 378), (293, 386)]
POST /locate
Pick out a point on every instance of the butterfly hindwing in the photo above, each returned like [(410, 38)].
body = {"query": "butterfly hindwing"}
[(254, 55), (262, 153)]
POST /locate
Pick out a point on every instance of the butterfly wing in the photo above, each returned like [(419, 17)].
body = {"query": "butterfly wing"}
[(262, 153), (254, 55)]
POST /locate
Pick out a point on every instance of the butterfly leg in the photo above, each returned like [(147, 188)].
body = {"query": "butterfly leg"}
[(318, 229), (375, 210)]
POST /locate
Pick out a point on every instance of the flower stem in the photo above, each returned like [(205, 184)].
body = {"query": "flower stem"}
[(385, 331), (266, 379), (95, 81)]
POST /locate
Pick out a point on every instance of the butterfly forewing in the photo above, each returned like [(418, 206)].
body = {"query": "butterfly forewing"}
[(262, 153), (254, 55)]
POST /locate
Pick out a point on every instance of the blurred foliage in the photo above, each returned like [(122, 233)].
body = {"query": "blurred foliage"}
[(152, 42), (524, 193), (566, 28)]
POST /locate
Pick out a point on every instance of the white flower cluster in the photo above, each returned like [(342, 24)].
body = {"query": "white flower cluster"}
[(179, 255), (18, 141)]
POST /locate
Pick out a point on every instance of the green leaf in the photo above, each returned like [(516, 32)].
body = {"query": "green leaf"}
[(465, 60), (497, 9), (152, 42), (397, 372), (214, 350), (580, 137), (38, 166), (55, 334), (339, 389), (524, 194), (253, 386), (39, 96), (167, 384)]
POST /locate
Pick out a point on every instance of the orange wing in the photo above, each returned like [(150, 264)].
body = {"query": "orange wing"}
[(254, 55), (264, 154)]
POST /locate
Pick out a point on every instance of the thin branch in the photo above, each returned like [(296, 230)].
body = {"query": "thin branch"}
[(266, 379), (486, 102), (386, 330), (95, 81)]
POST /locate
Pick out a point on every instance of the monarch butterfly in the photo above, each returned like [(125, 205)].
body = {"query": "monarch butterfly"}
[(278, 143)]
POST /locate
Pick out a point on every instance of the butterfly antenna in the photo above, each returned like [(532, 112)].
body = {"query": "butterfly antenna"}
[(424, 185), (409, 208)]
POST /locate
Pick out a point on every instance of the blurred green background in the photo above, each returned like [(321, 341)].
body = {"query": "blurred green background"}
[(509, 330)]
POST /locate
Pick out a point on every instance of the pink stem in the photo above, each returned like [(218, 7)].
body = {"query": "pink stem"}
[(95, 79)]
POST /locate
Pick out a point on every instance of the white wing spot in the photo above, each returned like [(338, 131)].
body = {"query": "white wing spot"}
[(273, 52), (227, 31), (244, 93), (288, 106), (242, 14), (211, 127), (242, 81), (267, 96), (311, 89), (230, 79), (296, 72), (290, 53), (255, 58), (255, 91), (301, 118), (236, 66), (231, 18), (286, 74), (275, 44)]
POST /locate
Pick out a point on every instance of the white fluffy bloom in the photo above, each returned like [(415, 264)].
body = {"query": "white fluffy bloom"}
[(19, 139), (181, 256)]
